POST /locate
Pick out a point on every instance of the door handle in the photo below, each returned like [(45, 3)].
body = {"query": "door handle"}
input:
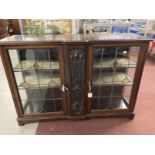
[(90, 94), (64, 88)]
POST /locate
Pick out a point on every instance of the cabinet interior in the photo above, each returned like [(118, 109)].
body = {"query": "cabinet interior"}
[(112, 76), (37, 74)]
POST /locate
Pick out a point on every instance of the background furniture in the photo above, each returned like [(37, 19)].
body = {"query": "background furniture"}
[(3, 28), (74, 76), (118, 27), (9, 27)]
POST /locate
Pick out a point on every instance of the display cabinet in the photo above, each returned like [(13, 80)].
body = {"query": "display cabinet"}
[(73, 76)]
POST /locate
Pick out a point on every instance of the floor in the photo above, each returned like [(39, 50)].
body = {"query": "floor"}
[(8, 123)]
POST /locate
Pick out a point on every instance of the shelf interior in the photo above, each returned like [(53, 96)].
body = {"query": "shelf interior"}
[(111, 62), (43, 106), (41, 100), (116, 78), (104, 103), (33, 82), (34, 65)]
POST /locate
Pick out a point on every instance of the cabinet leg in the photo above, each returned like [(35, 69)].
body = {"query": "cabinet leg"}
[(20, 123), (131, 116)]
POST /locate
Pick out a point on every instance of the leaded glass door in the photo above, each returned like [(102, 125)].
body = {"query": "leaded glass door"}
[(39, 77), (111, 76)]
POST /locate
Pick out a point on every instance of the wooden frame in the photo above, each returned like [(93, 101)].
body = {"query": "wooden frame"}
[(63, 52)]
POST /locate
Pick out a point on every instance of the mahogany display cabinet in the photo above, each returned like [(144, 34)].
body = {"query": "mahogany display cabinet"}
[(73, 76)]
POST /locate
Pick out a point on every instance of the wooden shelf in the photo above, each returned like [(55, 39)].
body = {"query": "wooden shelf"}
[(32, 82), (110, 79), (109, 63), (32, 65)]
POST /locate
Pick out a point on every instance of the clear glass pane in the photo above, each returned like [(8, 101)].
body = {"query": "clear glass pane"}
[(38, 79), (113, 75)]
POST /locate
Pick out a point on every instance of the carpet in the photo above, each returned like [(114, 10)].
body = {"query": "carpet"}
[(143, 123)]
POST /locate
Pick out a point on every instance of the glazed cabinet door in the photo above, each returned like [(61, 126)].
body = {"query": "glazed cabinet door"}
[(114, 72), (39, 75), (75, 78)]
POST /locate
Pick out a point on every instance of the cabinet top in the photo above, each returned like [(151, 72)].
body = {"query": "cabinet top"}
[(68, 38)]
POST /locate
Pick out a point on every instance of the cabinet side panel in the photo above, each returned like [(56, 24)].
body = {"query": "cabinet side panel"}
[(11, 81), (138, 75)]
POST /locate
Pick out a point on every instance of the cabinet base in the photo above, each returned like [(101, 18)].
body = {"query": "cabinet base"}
[(24, 120), (131, 116), (20, 122)]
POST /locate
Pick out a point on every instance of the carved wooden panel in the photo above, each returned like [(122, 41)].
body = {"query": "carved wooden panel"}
[(76, 65)]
